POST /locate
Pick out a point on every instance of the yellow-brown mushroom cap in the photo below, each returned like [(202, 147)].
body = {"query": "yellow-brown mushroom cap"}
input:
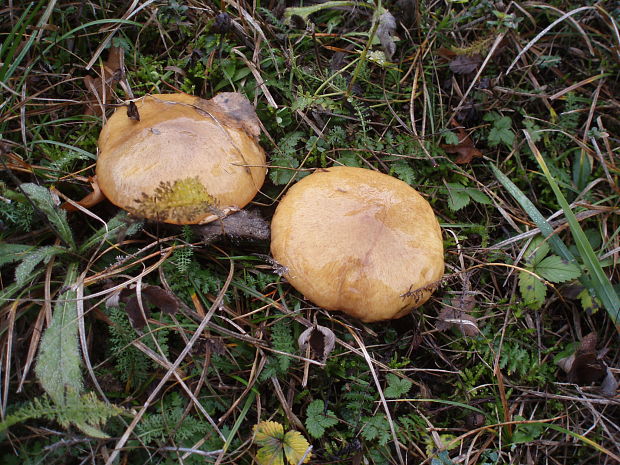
[(186, 161), (357, 241)]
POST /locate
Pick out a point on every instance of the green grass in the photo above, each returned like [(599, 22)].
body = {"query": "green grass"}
[(189, 389)]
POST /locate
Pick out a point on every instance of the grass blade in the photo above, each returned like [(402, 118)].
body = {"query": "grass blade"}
[(555, 242), (599, 281)]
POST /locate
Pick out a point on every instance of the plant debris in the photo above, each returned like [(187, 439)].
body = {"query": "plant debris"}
[(457, 314), (320, 340), (586, 366), (465, 147), (102, 87)]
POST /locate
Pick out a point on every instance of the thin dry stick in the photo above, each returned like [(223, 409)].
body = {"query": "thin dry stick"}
[(37, 330), (8, 355), (474, 81), (82, 334), (532, 42), (201, 327), (131, 12)]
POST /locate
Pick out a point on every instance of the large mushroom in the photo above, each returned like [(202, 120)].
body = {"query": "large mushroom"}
[(181, 159), (358, 241)]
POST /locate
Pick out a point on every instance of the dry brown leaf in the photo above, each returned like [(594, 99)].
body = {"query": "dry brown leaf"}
[(385, 32), (465, 64), (609, 386), (319, 339), (458, 315), (102, 87), (154, 295), (465, 148), (132, 112), (586, 366), (446, 53)]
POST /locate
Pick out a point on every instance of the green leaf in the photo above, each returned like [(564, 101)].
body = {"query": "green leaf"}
[(44, 201), (443, 458), (317, 420), (276, 445), (478, 196), (457, 196), (305, 11), (285, 169), (526, 432), (117, 226), (599, 281), (501, 132), (10, 253), (451, 138), (590, 304), (397, 387), (23, 271), (554, 241), (532, 290), (295, 447), (533, 129), (403, 171), (85, 411), (557, 270), (536, 251), (376, 428), (58, 365)]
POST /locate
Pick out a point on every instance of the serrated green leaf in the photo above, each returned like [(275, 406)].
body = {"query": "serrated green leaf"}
[(58, 365), (478, 196), (266, 431), (397, 387), (44, 201), (295, 447), (526, 432), (317, 419), (276, 445), (457, 196), (376, 428), (557, 270), (533, 130), (505, 122), (451, 138), (501, 132), (23, 271), (285, 171), (403, 171), (443, 458), (537, 249), (532, 290)]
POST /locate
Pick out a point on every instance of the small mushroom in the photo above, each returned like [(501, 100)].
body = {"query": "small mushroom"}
[(358, 241), (181, 159)]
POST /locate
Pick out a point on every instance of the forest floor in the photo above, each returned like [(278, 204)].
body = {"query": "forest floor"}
[(504, 116)]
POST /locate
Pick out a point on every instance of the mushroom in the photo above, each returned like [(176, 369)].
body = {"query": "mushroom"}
[(180, 159), (358, 241)]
